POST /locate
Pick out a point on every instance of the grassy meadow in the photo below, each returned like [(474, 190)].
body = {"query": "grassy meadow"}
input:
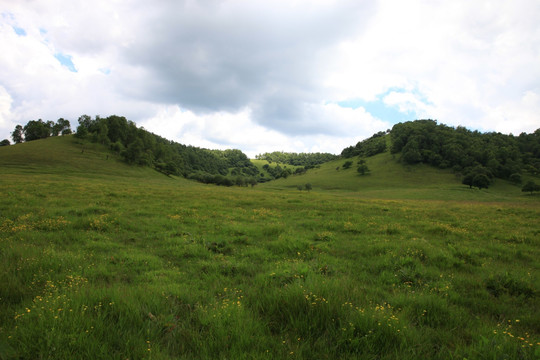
[(99, 260)]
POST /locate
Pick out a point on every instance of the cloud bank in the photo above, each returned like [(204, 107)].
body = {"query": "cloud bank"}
[(264, 76)]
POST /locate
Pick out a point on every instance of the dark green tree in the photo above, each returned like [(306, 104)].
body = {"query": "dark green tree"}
[(134, 153), (101, 134), (252, 181), (531, 187), (481, 181), (468, 179), (5, 142), (62, 127), (347, 164), (362, 167), (411, 153), (35, 130), (472, 177), (18, 135), (308, 187), (82, 132)]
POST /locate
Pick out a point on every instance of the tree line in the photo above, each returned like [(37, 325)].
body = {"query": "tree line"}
[(307, 160), (138, 146), (39, 129)]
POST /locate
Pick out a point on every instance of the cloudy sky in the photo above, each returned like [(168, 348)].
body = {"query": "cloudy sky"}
[(290, 75)]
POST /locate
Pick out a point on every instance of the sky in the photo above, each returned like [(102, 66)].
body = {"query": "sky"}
[(280, 75)]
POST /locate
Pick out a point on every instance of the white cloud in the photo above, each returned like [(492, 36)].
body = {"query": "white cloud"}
[(5, 106)]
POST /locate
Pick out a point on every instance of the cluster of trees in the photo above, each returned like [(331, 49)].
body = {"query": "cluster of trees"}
[(39, 129), (425, 141), (307, 160), (140, 147), (369, 147), (478, 176), (480, 157)]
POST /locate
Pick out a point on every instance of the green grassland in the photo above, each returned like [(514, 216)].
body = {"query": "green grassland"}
[(100, 260)]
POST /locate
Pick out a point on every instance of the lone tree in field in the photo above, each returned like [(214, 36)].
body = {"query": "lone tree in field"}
[(362, 167), (479, 177), (481, 181), (531, 187), (5, 142), (308, 187), (347, 164)]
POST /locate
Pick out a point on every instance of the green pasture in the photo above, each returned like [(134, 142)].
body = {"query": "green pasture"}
[(100, 260)]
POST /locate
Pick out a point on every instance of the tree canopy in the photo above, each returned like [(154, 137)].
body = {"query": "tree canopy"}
[(425, 141)]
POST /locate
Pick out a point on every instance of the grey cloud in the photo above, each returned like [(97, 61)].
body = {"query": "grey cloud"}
[(227, 55)]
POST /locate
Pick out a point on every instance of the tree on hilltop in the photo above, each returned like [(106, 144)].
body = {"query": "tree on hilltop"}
[(62, 127), (17, 135), (35, 130)]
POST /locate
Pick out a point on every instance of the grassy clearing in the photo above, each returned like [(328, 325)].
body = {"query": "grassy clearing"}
[(117, 266)]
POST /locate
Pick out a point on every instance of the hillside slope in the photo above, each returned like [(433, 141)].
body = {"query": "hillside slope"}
[(390, 179), (66, 155)]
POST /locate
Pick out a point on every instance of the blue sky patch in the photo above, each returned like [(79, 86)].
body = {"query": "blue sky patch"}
[(65, 60), (19, 31), (379, 109)]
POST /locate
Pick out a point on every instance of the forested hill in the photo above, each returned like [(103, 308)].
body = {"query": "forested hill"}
[(308, 160), (141, 147), (465, 151)]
